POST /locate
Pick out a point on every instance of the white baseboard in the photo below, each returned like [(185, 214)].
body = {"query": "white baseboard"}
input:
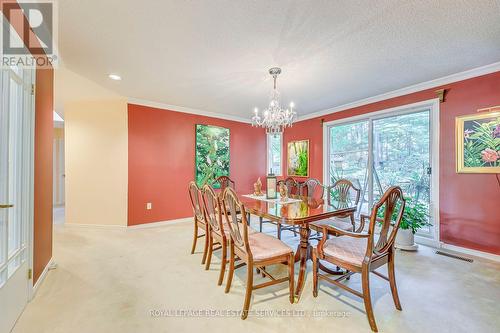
[(160, 223), (427, 242), (42, 276), (471, 252), (461, 250), (99, 226), (132, 227)]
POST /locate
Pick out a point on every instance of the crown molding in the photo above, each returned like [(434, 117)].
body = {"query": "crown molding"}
[(183, 109), (468, 74)]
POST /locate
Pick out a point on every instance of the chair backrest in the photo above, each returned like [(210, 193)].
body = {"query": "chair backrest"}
[(194, 196), (312, 188), (224, 182), (291, 184), (343, 190), (238, 230), (392, 204), (212, 209)]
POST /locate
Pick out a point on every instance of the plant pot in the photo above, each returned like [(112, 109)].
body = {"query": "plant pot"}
[(405, 240)]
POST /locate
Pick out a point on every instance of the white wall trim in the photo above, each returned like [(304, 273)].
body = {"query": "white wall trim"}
[(183, 109), (41, 278), (471, 252), (495, 67), (132, 227), (468, 74), (160, 223), (98, 226), (426, 241)]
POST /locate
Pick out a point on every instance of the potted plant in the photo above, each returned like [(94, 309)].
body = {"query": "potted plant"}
[(415, 217)]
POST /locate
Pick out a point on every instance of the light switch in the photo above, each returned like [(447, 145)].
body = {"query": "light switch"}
[(149, 205)]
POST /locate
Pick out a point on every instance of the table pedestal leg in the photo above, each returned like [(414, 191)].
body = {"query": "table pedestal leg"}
[(303, 252)]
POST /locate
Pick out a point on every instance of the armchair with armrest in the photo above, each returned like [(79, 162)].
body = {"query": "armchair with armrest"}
[(360, 252)]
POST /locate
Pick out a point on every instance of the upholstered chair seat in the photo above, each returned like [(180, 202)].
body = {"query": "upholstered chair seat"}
[(339, 223), (227, 232), (347, 249), (265, 247)]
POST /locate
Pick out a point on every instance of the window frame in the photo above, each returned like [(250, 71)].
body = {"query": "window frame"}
[(268, 161), (433, 105)]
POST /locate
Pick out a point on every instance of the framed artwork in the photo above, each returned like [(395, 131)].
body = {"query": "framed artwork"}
[(211, 154), (298, 158), (478, 143)]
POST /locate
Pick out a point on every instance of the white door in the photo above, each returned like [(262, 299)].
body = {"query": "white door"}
[(16, 194)]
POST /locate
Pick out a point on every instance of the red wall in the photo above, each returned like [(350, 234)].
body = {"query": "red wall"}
[(44, 132), (469, 203), (162, 155)]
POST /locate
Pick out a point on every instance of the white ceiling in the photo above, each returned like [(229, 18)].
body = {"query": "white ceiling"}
[(214, 55)]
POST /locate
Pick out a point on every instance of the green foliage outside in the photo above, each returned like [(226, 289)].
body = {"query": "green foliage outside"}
[(212, 154), (401, 156), (482, 143), (415, 215)]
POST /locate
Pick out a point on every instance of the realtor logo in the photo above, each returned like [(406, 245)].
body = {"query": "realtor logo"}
[(28, 33)]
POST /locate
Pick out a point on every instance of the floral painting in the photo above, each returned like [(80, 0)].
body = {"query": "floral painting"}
[(298, 158), (212, 154), (478, 143)]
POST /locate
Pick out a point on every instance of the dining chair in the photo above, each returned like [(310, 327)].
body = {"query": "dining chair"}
[(224, 182), (255, 250), (199, 218), (293, 188), (361, 252), (341, 191), (312, 189), (218, 233)]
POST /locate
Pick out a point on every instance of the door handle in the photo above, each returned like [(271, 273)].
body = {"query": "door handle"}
[(6, 206)]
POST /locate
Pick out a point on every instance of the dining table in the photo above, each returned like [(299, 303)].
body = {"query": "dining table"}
[(299, 213)]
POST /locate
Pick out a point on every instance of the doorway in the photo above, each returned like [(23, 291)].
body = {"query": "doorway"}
[(16, 192), (398, 146), (58, 171)]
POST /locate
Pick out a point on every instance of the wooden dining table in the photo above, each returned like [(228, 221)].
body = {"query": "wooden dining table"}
[(299, 213)]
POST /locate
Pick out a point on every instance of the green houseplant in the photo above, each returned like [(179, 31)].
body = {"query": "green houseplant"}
[(415, 217)]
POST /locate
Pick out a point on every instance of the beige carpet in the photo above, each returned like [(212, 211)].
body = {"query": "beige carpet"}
[(145, 280)]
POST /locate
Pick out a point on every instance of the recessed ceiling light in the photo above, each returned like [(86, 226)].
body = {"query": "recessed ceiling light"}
[(115, 77)]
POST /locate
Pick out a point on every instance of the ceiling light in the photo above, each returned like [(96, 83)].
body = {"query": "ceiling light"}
[(275, 118), (115, 77)]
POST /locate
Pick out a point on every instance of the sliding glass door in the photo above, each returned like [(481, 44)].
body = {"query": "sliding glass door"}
[(381, 150)]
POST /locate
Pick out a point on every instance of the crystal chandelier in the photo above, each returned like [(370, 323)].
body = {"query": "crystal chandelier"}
[(275, 119)]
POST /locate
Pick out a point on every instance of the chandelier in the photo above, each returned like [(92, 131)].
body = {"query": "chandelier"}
[(274, 119)]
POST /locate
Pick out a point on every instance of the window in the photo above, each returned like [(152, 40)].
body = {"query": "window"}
[(378, 150), (274, 154)]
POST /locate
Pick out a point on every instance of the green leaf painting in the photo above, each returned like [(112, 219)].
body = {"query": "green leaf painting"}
[(480, 143), (212, 154), (298, 158)]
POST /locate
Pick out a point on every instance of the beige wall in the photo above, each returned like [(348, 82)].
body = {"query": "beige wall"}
[(58, 167), (96, 162)]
